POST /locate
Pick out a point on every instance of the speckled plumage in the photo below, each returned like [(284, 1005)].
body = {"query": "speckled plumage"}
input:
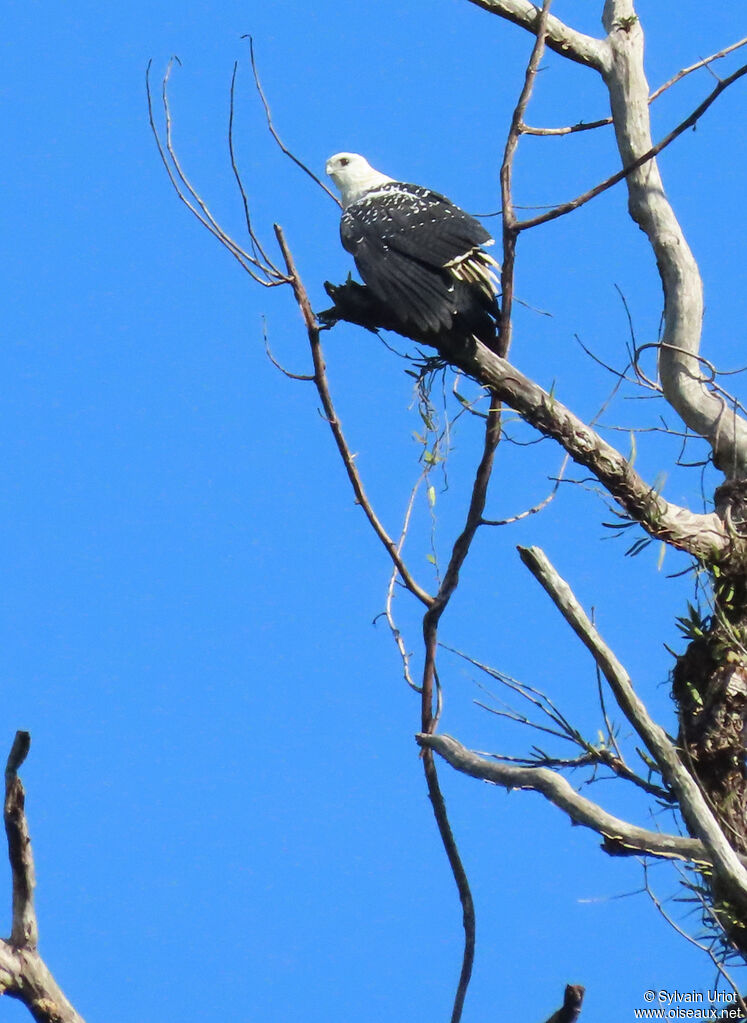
[(418, 253)]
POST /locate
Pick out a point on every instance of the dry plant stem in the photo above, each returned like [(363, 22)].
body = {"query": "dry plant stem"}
[(621, 837), (320, 380), (23, 974), (695, 810), (388, 607)]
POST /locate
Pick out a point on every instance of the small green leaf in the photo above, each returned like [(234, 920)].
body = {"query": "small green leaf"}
[(431, 495)]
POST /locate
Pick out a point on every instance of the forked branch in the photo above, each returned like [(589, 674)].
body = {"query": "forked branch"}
[(620, 837), (695, 810)]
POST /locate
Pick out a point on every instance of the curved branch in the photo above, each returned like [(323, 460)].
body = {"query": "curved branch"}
[(621, 837), (566, 41), (320, 380), (681, 377)]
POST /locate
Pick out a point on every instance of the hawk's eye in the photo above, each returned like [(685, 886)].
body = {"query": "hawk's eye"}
[(344, 162)]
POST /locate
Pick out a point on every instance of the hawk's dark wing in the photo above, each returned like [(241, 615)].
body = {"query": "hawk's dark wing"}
[(402, 238)]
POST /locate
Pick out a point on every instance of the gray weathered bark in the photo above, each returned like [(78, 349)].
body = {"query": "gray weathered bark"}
[(682, 380)]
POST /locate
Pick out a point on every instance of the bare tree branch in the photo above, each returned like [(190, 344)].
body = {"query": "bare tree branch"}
[(561, 38), (621, 837), (695, 67), (619, 59), (573, 204), (23, 973), (703, 536), (320, 379), (682, 381), (590, 125), (24, 932), (695, 810)]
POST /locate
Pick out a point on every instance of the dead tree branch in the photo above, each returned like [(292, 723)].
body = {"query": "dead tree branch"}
[(695, 810), (653, 151), (703, 536), (619, 60), (320, 380), (602, 121), (23, 973), (566, 41), (620, 837), (682, 381)]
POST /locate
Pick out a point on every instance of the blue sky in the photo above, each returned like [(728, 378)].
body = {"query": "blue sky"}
[(228, 813)]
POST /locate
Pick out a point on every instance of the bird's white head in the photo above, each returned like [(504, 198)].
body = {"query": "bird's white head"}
[(353, 175)]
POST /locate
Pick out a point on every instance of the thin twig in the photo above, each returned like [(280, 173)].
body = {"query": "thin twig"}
[(536, 508), (320, 380), (396, 634), (592, 193), (266, 274), (695, 810), (273, 132), (603, 121), (693, 941), (304, 377)]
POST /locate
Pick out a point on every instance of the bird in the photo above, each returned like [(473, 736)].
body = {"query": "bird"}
[(422, 257)]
